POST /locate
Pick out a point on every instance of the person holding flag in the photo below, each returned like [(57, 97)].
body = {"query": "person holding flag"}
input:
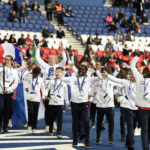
[(49, 73)]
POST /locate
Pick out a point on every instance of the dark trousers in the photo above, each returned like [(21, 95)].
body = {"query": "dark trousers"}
[(122, 121), (60, 19), (109, 112), (145, 126), (80, 113), (129, 117), (49, 15), (5, 108), (33, 108), (136, 121), (55, 112), (46, 113), (11, 108), (93, 112)]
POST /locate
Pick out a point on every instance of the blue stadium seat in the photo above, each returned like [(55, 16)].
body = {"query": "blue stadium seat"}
[(32, 21), (82, 24), (87, 12), (51, 27), (76, 24), (77, 19), (16, 25), (35, 17), (23, 25), (37, 26), (1, 6), (41, 18), (9, 24), (30, 26), (40, 22), (75, 11), (6, 6), (87, 29), (2, 24)]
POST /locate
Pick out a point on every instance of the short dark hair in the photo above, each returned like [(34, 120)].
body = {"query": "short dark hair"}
[(36, 70), (9, 57), (60, 68), (108, 70)]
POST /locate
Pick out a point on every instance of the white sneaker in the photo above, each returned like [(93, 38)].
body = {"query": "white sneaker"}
[(136, 132), (34, 131), (29, 130), (47, 129), (54, 127), (25, 125), (9, 123)]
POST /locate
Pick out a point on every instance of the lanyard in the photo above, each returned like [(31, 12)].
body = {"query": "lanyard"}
[(105, 85), (22, 73), (145, 85), (34, 85), (8, 74), (80, 86), (57, 86), (130, 89), (50, 71)]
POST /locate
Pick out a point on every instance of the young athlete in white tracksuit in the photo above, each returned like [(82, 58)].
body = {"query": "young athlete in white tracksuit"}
[(79, 101), (105, 105), (49, 72), (143, 101), (129, 100), (33, 85), (8, 83), (58, 92)]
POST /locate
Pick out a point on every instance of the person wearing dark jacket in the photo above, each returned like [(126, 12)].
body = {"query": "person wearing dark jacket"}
[(13, 17), (121, 14), (144, 18), (68, 12), (116, 19), (125, 23), (23, 13), (21, 41), (35, 6), (112, 27), (60, 33), (49, 9), (46, 33)]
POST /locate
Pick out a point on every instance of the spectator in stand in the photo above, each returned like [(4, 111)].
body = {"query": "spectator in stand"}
[(0, 41), (87, 52), (133, 26), (112, 27), (108, 18), (68, 12), (27, 5), (125, 23), (46, 33), (140, 7), (112, 60), (15, 6), (59, 14), (60, 33), (138, 29), (126, 51), (121, 15), (136, 53), (131, 36), (143, 18), (109, 45), (104, 59), (13, 17), (69, 49), (119, 60), (35, 6), (12, 39), (28, 40), (97, 40), (49, 9), (124, 38), (29, 51), (116, 46), (72, 58), (118, 36), (21, 41), (5, 40), (90, 40), (23, 13), (116, 19), (133, 17), (44, 43), (36, 40)]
